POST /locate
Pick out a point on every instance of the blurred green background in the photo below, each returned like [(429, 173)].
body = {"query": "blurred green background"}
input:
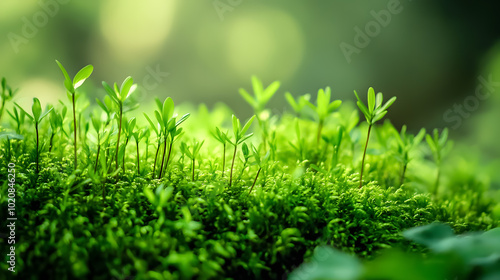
[(435, 56)]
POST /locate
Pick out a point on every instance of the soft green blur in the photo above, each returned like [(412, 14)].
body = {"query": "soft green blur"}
[(204, 51)]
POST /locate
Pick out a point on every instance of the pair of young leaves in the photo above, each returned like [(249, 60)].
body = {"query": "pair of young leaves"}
[(80, 77)]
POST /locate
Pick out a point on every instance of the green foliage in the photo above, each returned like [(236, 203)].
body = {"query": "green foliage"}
[(290, 197)]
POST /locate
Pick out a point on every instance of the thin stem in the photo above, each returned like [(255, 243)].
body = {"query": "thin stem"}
[(232, 165), (402, 180), (254, 181), (168, 156), (138, 158), (124, 152), (119, 132), (437, 180), (320, 128), (51, 141), (364, 154), (163, 157), (192, 179), (37, 152), (156, 157), (224, 161), (97, 157), (74, 128)]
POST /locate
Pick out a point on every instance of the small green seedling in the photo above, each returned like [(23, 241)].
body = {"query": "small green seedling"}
[(101, 137), (261, 162), (6, 95), (71, 86), (119, 96), (246, 156), (223, 139), (37, 116), (18, 117), (323, 108), (261, 95), (335, 140), (300, 146), (192, 154), (405, 143), (56, 123), (373, 113), (439, 148), (167, 120), (258, 102), (239, 137), (298, 105)]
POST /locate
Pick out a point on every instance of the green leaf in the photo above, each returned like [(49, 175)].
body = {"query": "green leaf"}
[(111, 92), (334, 105), (371, 100), (378, 100), (160, 120), (388, 104), (242, 139), (82, 75), (291, 101), (269, 92), (257, 87), (247, 125), (431, 143), (328, 263), (248, 98), (23, 111), (125, 88), (65, 73), (444, 137), (236, 127), (379, 116), (36, 108), (168, 109), (45, 114), (364, 110), (96, 123), (182, 119), (151, 124), (429, 235)]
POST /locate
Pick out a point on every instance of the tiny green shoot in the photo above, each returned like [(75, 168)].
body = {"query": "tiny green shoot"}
[(323, 108), (439, 148), (373, 113), (192, 154), (71, 86), (405, 143), (37, 116), (239, 137), (119, 96), (223, 138)]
